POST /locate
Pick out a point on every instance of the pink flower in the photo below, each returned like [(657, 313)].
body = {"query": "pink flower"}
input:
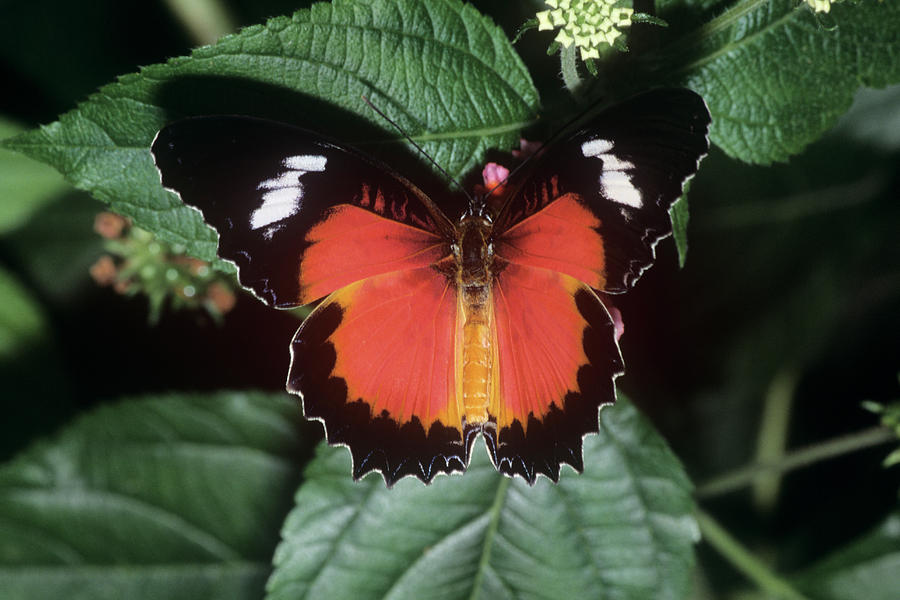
[(494, 174)]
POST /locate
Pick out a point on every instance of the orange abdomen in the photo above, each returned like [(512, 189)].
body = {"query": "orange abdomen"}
[(477, 354)]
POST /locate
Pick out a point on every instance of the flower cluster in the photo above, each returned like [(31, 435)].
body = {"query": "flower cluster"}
[(586, 23), (139, 263), (820, 5)]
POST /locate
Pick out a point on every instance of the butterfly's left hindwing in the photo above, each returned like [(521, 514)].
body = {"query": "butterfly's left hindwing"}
[(375, 363), (300, 216)]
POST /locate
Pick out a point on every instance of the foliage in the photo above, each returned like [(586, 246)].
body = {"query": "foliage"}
[(482, 535), (177, 496), (786, 303)]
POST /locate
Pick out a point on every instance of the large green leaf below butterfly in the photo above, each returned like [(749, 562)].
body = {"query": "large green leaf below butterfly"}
[(623, 529)]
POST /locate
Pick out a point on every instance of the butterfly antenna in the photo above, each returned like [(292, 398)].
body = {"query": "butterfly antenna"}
[(417, 147), (566, 128)]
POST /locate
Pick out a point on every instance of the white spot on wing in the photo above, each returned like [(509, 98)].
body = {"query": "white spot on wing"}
[(277, 205), (596, 147), (614, 163), (286, 179), (618, 188), (614, 180), (305, 162), (285, 191)]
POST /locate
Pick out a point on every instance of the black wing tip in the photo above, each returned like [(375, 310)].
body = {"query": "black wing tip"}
[(395, 450), (546, 444), (418, 454)]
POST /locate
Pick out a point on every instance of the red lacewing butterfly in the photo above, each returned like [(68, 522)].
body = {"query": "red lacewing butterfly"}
[(433, 331)]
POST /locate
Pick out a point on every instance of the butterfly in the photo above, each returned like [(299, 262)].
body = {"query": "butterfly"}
[(432, 330)]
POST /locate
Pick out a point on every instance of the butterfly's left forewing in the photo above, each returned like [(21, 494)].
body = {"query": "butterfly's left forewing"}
[(300, 216)]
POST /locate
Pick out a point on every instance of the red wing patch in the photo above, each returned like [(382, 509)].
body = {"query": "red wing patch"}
[(562, 237), (558, 358), (351, 244), (375, 362)]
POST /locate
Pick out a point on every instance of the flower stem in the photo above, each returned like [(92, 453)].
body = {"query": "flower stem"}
[(809, 455), (757, 572), (771, 442), (567, 61)]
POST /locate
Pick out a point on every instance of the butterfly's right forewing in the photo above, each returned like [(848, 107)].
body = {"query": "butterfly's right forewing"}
[(595, 205)]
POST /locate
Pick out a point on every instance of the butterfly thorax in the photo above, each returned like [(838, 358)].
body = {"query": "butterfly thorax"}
[(473, 252)]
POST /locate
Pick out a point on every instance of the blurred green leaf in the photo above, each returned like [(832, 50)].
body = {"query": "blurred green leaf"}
[(443, 71), (25, 185), (21, 320), (623, 529), (866, 568), (57, 247), (776, 79), (170, 497), (874, 118)]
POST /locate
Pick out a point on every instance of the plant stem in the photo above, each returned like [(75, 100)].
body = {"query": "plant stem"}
[(767, 581), (744, 476), (771, 442), (567, 62)]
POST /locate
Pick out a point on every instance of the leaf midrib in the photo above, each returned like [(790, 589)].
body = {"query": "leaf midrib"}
[(106, 569), (428, 137), (465, 51), (161, 516), (490, 535), (722, 23)]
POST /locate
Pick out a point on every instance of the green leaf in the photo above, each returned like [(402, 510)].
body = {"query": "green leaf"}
[(56, 248), (874, 118), (623, 529), (867, 568), (444, 72), (25, 185), (21, 320), (775, 79), (170, 497), (680, 215)]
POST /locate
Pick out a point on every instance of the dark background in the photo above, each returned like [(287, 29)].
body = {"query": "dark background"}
[(792, 277)]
